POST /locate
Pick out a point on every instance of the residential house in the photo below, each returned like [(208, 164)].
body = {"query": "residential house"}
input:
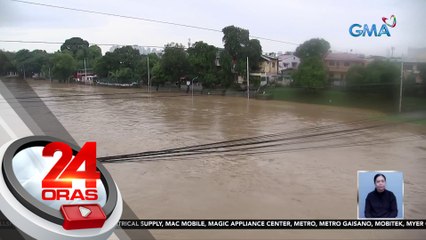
[(415, 57), (269, 66), (287, 61), (338, 65), (411, 66), (268, 69)]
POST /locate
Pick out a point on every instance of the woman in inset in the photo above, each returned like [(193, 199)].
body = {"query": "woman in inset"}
[(380, 203)]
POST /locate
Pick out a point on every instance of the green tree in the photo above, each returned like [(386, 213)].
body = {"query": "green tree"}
[(378, 77), (127, 57), (174, 62), (315, 47), (78, 48), (94, 53), (202, 57), (6, 64), (123, 75), (254, 53), (21, 62), (37, 60), (47, 67), (64, 66), (239, 46), (142, 69), (28, 63), (226, 72), (121, 65), (157, 75), (106, 64), (356, 77), (312, 73), (235, 39)]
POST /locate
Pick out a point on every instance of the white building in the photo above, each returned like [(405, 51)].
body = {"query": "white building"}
[(287, 61), (415, 57)]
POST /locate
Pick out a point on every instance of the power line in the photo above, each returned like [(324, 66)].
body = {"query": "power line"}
[(35, 42), (117, 15), (273, 40), (60, 43), (143, 19), (269, 138), (321, 137), (238, 146)]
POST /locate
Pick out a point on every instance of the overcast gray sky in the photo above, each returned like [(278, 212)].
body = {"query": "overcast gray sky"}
[(292, 21)]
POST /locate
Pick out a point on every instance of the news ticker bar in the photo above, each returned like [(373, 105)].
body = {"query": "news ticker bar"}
[(271, 224)]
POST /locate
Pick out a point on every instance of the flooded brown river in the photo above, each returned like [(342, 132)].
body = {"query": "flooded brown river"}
[(304, 181)]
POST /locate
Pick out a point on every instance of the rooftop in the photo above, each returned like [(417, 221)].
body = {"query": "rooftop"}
[(269, 58), (345, 57)]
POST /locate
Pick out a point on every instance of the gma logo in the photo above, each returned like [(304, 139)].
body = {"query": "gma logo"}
[(357, 30)]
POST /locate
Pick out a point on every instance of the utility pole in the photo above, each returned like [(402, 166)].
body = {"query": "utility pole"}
[(85, 69), (400, 85), (192, 86), (50, 78), (248, 80)]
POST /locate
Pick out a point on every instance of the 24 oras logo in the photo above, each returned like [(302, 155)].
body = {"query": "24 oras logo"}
[(358, 30), (58, 183), (52, 189)]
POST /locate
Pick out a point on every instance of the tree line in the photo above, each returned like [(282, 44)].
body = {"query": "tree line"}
[(213, 66), (61, 64), (380, 76)]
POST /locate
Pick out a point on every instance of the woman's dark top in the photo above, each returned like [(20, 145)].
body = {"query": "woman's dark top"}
[(381, 205)]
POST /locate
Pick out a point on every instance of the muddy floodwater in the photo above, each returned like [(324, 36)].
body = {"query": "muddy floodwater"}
[(311, 179)]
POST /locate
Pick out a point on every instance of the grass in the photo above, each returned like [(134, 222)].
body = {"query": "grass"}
[(397, 118), (346, 99)]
